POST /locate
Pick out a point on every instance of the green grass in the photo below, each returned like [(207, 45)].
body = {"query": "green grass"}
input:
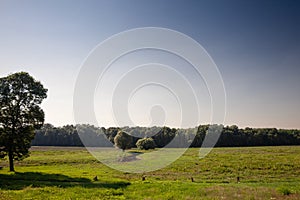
[(62, 173)]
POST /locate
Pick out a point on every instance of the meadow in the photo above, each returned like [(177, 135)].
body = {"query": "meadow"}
[(69, 173)]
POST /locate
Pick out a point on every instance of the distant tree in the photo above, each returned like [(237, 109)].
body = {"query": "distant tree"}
[(200, 135), (164, 136), (123, 140), (20, 113), (145, 144), (92, 136)]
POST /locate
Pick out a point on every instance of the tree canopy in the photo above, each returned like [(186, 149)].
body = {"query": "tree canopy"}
[(123, 140), (145, 144), (20, 114)]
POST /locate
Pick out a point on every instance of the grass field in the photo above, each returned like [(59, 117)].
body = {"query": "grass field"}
[(68, 173)]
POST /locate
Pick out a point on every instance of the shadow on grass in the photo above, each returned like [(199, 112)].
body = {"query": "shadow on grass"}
[(18, 181), (130, 156), (135, 152)]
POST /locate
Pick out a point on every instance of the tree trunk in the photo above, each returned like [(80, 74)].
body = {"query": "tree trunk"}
[(11, 162)]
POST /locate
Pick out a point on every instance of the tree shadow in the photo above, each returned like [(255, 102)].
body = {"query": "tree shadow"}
[(18, 181), (130, 156)]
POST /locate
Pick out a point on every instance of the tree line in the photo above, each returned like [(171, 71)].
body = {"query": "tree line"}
[(231, 136)]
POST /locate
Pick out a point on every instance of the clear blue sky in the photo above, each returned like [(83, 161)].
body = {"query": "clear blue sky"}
[(255, 44)]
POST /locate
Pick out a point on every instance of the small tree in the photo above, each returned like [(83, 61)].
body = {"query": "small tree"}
[(123, 140), (146, 144), (20, 113)]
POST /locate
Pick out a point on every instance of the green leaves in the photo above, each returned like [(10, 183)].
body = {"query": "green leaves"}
[(20, 113), (146, 144), (123, 140)]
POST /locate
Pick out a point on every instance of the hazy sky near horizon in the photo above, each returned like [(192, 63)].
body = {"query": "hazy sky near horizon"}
[(255, 44)]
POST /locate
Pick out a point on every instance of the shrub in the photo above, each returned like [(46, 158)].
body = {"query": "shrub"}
[(145, 144), (285, 191)]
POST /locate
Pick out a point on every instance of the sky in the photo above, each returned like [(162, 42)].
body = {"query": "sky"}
[(254, 44)]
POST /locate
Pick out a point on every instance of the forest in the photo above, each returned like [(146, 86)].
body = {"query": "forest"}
[(231, 136)]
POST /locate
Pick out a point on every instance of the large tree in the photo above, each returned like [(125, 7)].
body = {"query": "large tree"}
[(20, 114)]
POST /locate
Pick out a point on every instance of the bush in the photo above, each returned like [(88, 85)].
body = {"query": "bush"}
[(285, 191), (145, 144)]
